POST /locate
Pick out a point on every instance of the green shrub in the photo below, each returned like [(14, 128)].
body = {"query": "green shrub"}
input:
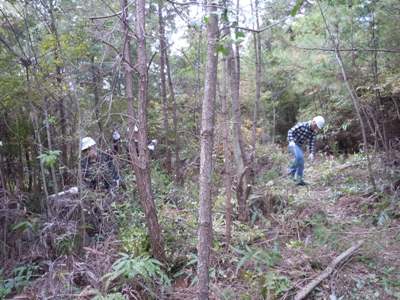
[(22, 275), (141, 268)]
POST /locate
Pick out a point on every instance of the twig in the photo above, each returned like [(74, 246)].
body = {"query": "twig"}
[(347, 49), (328, 271), (106, 17), (264, 28)]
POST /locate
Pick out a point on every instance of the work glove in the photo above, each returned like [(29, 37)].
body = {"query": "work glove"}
[(291, 144), (311, 156), (117, 183)]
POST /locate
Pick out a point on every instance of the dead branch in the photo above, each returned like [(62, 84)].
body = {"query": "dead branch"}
[(347, 49), (106, 17), (328, 271)]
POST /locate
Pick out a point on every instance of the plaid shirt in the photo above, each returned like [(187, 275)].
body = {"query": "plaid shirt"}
[(302, 132)]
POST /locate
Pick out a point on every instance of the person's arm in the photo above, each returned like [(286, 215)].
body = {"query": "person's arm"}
[(290, 134)]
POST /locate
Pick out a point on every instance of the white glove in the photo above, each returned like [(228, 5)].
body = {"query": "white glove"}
[(311, 156), (291, 144)]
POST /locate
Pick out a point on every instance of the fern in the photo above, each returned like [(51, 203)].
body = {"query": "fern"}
[(141, 267), (258, 256), (49, 158)]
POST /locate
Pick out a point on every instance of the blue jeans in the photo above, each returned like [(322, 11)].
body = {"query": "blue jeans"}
[(297, 167)]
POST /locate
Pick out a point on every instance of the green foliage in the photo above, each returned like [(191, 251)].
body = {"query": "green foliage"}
[(161, 180), (21, 277), (142, 267), (66, 243), (132, 229), (49, 158), (268, 175), (22, 226), (258, 257), (274, 285), (296, 8), (135, 240), (112, 296), (222, 49)]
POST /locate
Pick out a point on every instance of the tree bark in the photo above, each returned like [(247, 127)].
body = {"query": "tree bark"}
[(33, 116), (178, 173), (61, 107), (227, 155), (380, 112), (163, 88), (239, 155), (257, 51), (140, 157), (96, 94), (206, 143), (50, 146)]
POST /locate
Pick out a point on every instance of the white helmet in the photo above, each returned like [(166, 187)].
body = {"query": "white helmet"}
[(87, 142), (320, 121)]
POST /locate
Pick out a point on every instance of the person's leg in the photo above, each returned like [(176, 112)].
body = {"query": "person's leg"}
[(292, 168), (299, 162)]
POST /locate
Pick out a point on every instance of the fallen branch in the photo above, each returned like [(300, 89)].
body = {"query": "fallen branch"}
[(328, 271)]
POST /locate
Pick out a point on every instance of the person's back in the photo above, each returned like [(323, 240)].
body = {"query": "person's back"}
[(98, 169)]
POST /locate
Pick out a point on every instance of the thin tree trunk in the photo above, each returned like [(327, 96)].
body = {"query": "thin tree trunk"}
[(239, 155), (380, 112), (29, 168), (178, 174), (96, 94), (4, 253), (163, 88), (61, 104), (227, 156), (257, 51), (50, 146), (273, 119), (198, 80), (43, 202), (353, 97), (206, 164), (140, 159)]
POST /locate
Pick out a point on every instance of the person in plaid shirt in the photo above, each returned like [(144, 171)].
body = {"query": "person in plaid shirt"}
[(297, 136)]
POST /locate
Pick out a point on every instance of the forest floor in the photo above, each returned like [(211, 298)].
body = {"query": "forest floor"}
[(293, 235), (296, 232)]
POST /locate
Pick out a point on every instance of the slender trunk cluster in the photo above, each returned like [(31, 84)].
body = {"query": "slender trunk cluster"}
[(353, 96), (163, 88), (242, 169)]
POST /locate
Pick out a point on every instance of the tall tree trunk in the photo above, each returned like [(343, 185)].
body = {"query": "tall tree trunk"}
[(140, 157), (197, 91), (61, 104), (257, 51), (33, 116), (242, 171), (352, 94), (50, 146), (380, 112), (178, 174), (96, 93), (163, 88), (227, 155), (206, 164)]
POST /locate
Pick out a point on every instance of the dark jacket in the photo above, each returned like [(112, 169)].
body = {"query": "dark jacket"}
[(99, 172)]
